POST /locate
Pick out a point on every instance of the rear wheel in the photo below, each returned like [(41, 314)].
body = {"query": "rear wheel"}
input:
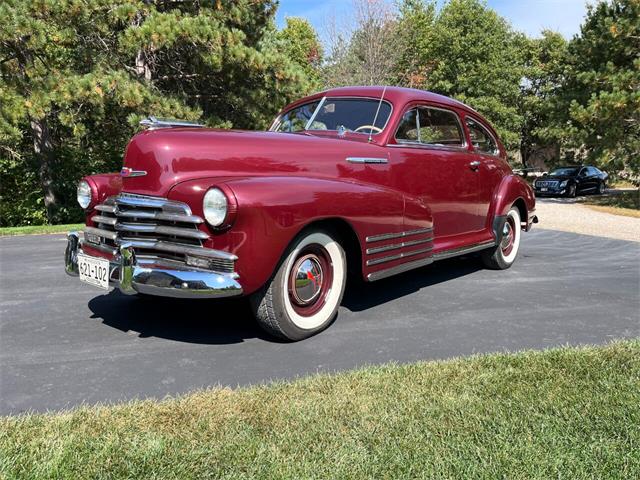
[(303, 297), (504, 254)]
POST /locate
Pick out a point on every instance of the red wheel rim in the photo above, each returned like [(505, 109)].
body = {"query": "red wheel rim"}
[(310, 280), (508, 237)]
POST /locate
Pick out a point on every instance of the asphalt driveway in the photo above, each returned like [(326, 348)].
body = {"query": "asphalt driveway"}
[(63, 343)]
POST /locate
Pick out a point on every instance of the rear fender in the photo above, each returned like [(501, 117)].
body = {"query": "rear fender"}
[(512, 190), (273, 210)]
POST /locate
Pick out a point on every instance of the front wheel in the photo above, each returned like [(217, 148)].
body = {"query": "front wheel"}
[(572, 190), (504, 254), (303, 297), (601, 188)]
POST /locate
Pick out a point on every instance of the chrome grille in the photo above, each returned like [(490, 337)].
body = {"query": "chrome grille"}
[(547, 183), (154, 227)]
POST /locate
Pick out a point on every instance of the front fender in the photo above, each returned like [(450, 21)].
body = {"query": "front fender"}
[(273, 210), (103, 186)]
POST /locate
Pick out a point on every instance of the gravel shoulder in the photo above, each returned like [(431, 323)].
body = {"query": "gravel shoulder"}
[(565, 215)]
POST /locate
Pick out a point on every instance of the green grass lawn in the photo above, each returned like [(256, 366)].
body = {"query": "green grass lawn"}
[(39, 229), (624, 203), (563, 413)]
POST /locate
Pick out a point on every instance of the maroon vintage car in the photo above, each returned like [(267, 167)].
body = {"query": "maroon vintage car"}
[(370, 181)]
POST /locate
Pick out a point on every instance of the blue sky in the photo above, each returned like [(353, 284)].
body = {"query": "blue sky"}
[(529, 16)]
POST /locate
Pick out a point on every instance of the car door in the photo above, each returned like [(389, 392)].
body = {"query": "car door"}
[(586, 181), (490, 168), (431, 162)]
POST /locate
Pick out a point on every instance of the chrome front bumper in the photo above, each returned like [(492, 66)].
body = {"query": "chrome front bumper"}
[(155, 277)]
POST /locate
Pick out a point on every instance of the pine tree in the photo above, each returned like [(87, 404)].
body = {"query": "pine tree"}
[(76, 76)]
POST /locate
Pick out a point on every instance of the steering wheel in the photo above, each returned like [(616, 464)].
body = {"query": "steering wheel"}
[(368, 127)]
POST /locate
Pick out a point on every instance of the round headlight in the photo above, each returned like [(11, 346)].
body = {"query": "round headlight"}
[(84, 194), (215, 207)]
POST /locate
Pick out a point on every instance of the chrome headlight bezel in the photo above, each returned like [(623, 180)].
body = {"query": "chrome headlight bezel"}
[(84, 194), (215, 206)]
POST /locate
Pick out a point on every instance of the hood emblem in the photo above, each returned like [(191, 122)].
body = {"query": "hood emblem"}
[(127, 172)]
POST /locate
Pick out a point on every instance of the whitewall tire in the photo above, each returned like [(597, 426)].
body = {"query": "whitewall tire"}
[(503, 255), (304, 295)]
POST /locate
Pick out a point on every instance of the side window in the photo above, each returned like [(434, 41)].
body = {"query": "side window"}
[(296, 119), (408, 129), (430, 126), (439, 127), (481, 139)]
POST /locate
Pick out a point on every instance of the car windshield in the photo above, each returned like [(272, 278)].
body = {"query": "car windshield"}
[(564, 172), (351, 114)]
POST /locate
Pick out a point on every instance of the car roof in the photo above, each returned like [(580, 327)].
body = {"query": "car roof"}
[(396, 95)]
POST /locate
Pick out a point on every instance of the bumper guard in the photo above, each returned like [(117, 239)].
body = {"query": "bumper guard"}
[(131, 275)]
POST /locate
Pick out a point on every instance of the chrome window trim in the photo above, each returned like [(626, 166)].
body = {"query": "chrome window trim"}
[(350, 97), (315, 113), (418, 144), (488, 130)]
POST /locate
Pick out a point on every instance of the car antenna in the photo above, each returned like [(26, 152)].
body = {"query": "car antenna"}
[(375, 119)]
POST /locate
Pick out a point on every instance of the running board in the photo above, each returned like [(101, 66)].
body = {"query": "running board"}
[(404, 267)]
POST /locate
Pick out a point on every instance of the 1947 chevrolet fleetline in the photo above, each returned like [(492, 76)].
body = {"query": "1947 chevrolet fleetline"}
[(369, 181)]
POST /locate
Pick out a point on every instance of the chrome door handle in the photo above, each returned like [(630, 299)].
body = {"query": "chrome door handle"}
[(474, 165)]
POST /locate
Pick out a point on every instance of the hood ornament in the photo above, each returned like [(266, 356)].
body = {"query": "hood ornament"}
[(151, 123), (127, 172)]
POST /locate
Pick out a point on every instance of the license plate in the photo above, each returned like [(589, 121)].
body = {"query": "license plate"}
[(94, 271), (544, 189)]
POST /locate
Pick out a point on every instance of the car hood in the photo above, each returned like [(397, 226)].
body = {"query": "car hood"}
[(156, 160)]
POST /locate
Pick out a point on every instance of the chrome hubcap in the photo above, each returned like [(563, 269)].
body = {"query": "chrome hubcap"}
[(507, 236), (308, 277)]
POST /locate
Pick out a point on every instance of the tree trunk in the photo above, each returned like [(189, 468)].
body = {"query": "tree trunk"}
[(142, 66), (43, 150)]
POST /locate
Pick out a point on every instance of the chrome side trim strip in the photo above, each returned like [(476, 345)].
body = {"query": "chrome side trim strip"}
[(395, 246), (372, 277), (366, 160), (390, 236), (391, 258), (454, 252)]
